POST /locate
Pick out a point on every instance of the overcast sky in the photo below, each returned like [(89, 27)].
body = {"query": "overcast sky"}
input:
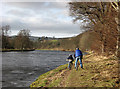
[(41, 18)]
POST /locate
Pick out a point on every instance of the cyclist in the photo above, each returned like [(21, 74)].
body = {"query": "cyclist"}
[(78, 56), (70, 60)]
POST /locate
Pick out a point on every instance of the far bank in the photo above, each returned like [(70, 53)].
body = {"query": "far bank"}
[(16, 50)]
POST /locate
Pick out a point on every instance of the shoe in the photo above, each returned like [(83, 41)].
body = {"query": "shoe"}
[(76, 69)]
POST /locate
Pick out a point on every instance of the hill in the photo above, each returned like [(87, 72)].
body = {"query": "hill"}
[(83, 41), (35, 38), (88, 40)]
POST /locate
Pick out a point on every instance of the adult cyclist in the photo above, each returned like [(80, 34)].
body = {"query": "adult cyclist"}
[(78, 56)]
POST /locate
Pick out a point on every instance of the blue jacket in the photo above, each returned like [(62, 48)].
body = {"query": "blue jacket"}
[(78, 53)]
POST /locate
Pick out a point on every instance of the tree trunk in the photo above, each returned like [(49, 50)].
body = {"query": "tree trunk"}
[(116, 6), (118, 46), (102, 34), (118, 36), (102, 48), (103, 45)]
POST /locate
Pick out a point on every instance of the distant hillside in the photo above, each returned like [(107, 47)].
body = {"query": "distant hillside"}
[(83, 41), (34, 38)]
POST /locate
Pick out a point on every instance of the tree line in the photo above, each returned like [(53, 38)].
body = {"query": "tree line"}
[(21, 41)]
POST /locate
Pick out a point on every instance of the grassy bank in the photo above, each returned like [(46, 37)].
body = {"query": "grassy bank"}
[(50, 49), (99, 71), (17, 50)]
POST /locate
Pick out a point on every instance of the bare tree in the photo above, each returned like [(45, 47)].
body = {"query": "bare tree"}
[(5, 39), (22, 40), (96, 14), (116, 6)]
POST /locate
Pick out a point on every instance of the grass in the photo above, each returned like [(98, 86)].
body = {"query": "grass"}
[(44, 49), (54, 40), (54, 49), (44, 78), (97, 72), (54, 82)]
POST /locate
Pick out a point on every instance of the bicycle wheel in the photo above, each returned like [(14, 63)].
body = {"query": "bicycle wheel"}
[(77, 66), (70, 66)]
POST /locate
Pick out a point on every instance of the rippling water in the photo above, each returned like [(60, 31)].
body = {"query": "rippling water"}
[(20, 69)]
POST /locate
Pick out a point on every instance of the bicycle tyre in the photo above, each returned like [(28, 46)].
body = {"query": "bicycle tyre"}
[(77, 66), (70, 66)]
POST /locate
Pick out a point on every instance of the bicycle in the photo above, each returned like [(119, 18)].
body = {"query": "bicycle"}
[(77, 65)]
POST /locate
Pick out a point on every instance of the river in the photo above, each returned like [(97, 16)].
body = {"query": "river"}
[(20, 69)]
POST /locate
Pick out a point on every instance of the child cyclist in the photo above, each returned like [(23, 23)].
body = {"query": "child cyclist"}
[(70, 60)]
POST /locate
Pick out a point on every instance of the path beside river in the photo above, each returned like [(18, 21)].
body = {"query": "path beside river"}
[(99, 71)]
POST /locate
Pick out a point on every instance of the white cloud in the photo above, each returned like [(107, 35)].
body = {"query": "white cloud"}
[(51, 18)]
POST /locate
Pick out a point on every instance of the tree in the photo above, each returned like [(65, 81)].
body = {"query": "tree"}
[(22, 41), (5, 36), (116, 6), (42, 38), (95, 15)]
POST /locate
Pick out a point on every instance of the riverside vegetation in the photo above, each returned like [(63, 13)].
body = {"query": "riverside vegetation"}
[(99, 71)]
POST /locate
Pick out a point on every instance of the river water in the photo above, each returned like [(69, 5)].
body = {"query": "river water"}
[(20, 69)]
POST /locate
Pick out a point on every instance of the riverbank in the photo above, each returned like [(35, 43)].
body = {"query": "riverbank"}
[(57, 50), (99, 71), (19, 50), (15, 50)]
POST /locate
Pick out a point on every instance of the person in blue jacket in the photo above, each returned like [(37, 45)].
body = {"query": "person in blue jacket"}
[(78, 56)]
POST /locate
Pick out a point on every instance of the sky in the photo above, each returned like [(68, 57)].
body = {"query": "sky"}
[(41, 18)]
